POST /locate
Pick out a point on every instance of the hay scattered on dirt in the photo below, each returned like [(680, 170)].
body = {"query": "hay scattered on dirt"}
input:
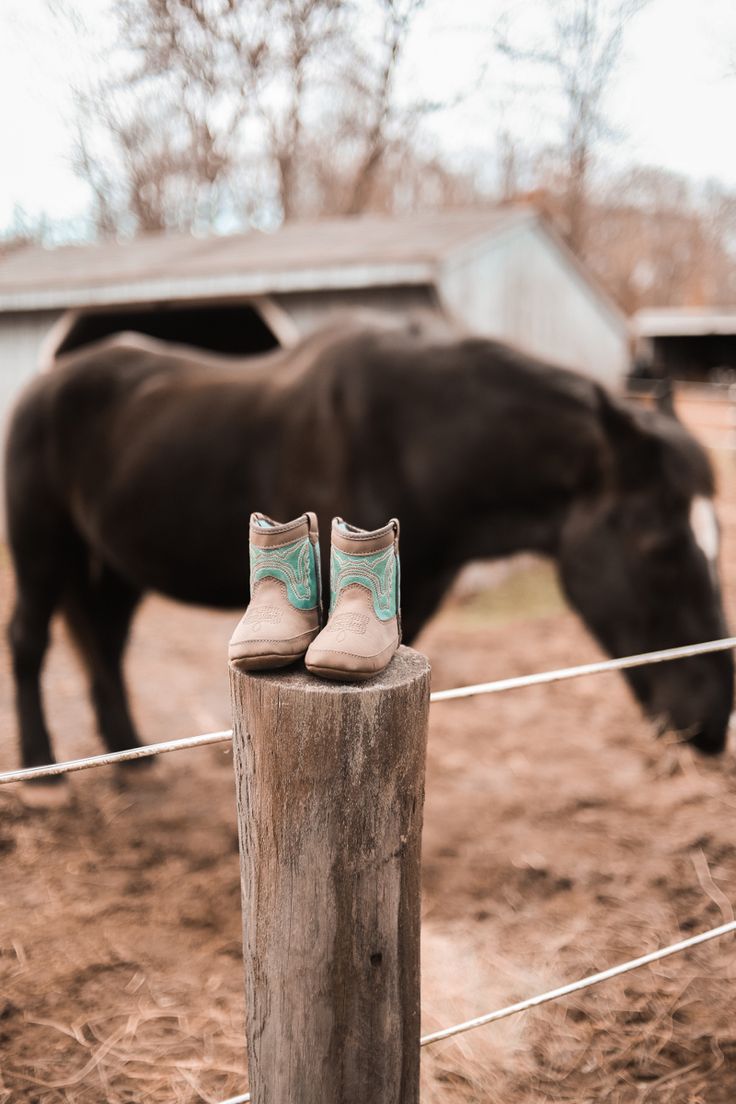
[(560, 838)]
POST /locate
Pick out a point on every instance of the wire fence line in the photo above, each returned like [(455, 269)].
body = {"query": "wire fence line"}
[(644, 659), (498, 686), (577, 986), (146, 751), (562, 991), (518, 682)]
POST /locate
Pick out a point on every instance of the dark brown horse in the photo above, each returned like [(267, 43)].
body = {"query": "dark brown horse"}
[(133, 465)]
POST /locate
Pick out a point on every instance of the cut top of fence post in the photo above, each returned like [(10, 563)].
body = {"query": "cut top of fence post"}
[(330, 783), (405, 668)]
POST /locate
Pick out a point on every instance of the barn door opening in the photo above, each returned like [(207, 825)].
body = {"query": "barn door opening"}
[(236, 328), (709, 358)]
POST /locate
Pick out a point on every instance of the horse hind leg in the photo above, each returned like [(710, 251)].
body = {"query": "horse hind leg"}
[(44, 546), (40, 543), (99, 611), (28, 636), (39, 568)]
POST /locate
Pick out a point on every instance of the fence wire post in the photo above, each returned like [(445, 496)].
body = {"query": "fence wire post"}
[(330, 792)]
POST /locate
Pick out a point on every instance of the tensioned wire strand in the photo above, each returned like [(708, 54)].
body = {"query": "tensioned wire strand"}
[(644, 659), (561, 991), (518, 682), (52, 770), (500, 685), (577, 986)]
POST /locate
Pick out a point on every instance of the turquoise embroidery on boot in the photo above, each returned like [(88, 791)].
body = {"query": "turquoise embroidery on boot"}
[(377, 571), (295, 564)]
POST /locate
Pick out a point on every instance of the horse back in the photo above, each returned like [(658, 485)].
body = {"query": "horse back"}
[(156, 454)]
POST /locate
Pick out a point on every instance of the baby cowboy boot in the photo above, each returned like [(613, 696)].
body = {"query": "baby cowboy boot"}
[(363, 630), (285, 610)]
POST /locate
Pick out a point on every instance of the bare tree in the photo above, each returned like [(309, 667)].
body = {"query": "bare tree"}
[(658, 239), (229, 110), (383, 115), (23, 229), (195, 87), (581, 50)]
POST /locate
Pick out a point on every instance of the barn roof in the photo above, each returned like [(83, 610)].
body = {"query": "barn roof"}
[(685, 322), (324, 255)]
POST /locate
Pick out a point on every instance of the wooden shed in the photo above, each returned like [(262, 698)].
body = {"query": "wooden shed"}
[(500, 272), (697, 344)]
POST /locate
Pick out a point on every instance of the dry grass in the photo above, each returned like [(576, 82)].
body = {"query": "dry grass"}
[(631, 1039)]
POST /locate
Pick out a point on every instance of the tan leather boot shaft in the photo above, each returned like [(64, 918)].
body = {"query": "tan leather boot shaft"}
[(363, 629), (284, 614)]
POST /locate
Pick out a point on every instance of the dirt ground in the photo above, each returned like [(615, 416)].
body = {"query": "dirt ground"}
[(560, 838)]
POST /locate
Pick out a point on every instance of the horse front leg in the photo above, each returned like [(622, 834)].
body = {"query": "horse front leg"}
[(99, 615)]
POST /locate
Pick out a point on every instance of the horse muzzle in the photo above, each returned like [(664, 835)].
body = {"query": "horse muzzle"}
[(692, 698)]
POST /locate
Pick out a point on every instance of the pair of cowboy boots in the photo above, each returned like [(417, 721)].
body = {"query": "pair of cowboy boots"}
[(284, 620)]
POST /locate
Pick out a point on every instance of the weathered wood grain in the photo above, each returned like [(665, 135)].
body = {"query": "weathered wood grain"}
[(330, 790)]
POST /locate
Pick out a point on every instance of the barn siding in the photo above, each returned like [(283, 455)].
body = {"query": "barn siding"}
[(523, 289), (21, 338), (310, 310)]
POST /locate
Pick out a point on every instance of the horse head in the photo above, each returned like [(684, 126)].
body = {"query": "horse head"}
[(639, 561)]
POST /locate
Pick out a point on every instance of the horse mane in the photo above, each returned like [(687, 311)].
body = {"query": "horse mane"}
[(685, 459), (655, 444)]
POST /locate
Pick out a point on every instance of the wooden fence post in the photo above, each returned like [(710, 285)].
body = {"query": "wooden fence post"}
[(330, 790)]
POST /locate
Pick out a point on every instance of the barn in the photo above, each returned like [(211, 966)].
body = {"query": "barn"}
[(500, 272), (697, 344)]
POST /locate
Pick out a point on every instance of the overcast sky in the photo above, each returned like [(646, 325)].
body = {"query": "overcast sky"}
[(673, 103)]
